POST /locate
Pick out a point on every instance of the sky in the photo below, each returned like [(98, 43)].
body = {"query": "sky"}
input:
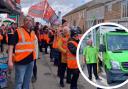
[(64, 6), (58, 5)]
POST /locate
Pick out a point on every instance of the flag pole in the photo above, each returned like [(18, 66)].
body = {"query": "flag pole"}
[(45, 7)]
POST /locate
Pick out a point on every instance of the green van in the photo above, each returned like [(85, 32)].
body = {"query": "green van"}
[(114, 53)]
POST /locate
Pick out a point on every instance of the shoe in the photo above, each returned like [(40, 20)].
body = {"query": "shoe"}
[(98, 78), (34, 79), (61, 84), (89, 78), (68, 82), (73, 88)]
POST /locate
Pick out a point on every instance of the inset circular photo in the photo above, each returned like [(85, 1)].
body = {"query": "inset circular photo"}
[(102, 55)]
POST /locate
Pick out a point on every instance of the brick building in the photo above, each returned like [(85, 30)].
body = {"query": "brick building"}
[(98, 11), (77, 17)]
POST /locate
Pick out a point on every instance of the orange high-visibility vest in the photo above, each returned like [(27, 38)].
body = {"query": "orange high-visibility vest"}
[(1, 37), (62, 48), (71, 59), (46, 38), (64, 40), (25, 45), (41, 36), (55, 43)]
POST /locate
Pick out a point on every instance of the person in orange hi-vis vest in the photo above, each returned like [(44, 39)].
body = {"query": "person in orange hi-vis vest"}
[(1, 37), (62, 46), (45, 38), (71, 60), (56, 52), (51, 39), (23, 55)]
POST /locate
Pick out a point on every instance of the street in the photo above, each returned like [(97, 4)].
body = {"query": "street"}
[(103, 78), (26, 25), (47, 78)]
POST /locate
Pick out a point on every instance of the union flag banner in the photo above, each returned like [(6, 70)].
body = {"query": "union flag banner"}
[(38, 9), (54, 19), (43, 10), (50, 15)]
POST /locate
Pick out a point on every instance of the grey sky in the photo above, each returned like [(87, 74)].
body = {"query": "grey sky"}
[(58, 5)]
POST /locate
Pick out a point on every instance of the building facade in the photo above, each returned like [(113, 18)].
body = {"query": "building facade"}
[(98, 11)]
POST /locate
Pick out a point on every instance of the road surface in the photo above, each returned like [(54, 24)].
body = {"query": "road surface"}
[(47, 78)]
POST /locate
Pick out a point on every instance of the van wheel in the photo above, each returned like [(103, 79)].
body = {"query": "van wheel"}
[(108, 75)]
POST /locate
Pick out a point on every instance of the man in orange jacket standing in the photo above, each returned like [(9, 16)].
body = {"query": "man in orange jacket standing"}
[(24, 53)]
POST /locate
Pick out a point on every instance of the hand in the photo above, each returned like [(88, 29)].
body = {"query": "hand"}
[(11, 65)]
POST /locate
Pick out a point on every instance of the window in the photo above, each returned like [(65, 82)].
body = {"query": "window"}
[(109, 7), (124, 8), (74, 23), (83, 14)]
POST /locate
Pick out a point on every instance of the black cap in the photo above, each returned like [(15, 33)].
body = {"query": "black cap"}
[(63, 21), (74, 33)]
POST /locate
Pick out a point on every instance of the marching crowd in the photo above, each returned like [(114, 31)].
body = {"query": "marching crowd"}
[(25, 42)]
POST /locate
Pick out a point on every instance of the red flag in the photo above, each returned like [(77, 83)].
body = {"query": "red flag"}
[(37, 10), (48, 13), (18, 1), (43, 10)]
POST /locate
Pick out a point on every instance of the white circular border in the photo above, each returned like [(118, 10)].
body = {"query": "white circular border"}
[(78, 62)]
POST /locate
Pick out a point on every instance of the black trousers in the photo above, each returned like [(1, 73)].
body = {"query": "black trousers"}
[(1, 46), (35, 70), (51, 51), (74, 78), (40, 46), (94, 67), (62, 70), (46, 47), (57, 61), (68, 76)]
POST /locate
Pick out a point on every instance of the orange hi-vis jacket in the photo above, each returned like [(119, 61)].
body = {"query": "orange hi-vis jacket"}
[(55, 43), (1, 37), (45, 37), (41, 36), (62, 46), (71, 59), (25, 45)]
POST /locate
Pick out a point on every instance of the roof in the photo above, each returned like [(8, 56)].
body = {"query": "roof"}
[(76, 9), (87, 5)]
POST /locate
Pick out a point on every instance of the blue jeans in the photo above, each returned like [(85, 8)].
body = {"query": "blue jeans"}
[(23, 74)]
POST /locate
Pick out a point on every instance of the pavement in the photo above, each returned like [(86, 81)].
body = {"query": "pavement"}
[(102, 76), (47, 78)]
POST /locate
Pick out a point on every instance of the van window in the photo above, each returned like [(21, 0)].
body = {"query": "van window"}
[(117, 42)]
